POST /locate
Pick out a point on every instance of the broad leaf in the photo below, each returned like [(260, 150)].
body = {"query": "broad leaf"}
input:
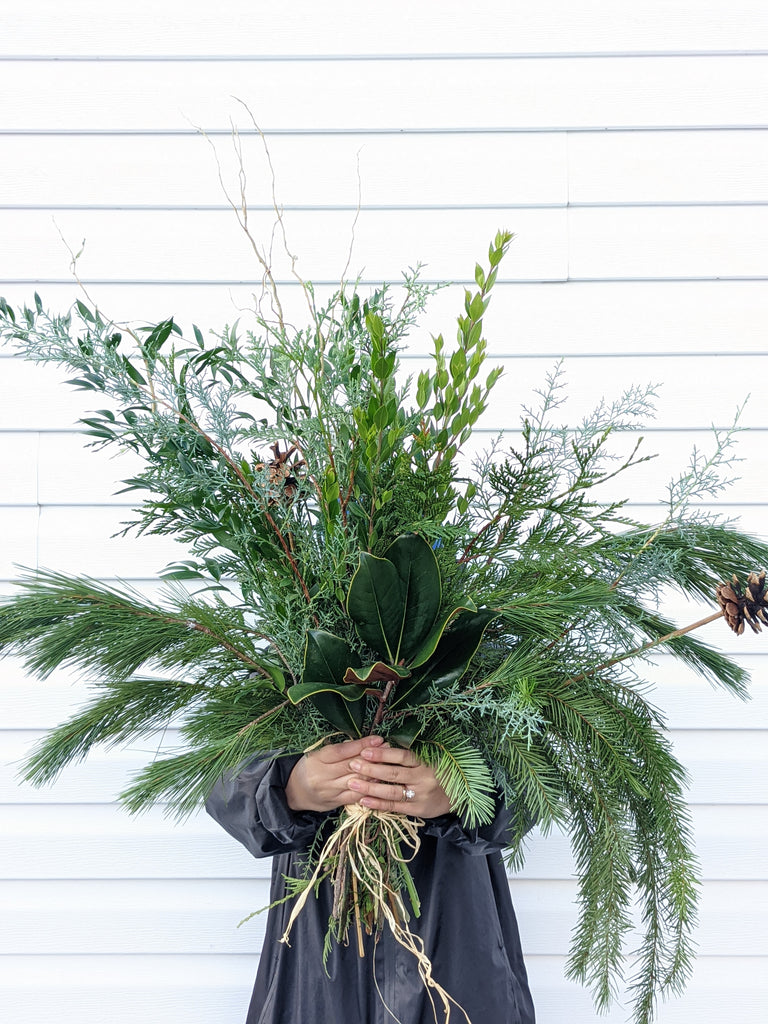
[(375, 605), (419, 574), (342, 706), (427, 649), (405, 733), (379, 672), (394, 600), (450, 660), (326, 658)]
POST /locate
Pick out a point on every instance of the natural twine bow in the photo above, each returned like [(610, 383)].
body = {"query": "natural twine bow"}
[(348, 847)]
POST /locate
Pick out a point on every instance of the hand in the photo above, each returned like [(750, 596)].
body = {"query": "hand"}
[(320, 780), (384, 773)]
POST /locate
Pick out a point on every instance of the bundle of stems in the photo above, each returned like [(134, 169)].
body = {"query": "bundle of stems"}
[(352, 570)]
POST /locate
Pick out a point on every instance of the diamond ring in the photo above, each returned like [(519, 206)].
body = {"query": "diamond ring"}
[(408, 794)]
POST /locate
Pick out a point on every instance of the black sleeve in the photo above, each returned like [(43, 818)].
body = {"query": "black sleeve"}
[(479, 841), (251, 805)]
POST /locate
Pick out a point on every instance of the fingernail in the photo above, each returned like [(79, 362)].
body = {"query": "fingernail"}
[(367, 753), (366, 802), (354, 784), (355, 766)]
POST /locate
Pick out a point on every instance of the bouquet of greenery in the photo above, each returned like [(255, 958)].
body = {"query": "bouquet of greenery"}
[(353, 570)]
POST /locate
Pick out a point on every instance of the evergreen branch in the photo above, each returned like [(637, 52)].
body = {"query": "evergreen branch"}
[(61, 620), (129, 708), (462, 772)]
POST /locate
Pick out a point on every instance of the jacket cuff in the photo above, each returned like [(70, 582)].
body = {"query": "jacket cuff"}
[(292, 829)]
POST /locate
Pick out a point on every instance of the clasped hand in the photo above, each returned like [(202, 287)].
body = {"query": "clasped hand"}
[(366, 771)]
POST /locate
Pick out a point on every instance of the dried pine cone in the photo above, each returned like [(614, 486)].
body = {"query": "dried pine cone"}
[(731, 600), (742, 605), (756, 603), (283, 475)]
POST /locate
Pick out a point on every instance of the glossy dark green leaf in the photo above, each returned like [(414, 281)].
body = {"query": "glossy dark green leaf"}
[(432, 639), (326, 658), (342, 706), (451, 658), (419, 575), (375, 605), (406, 732), (394, 600)]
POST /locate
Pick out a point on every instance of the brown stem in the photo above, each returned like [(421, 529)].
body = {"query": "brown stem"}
[(478, 535), (360, 946), (646, 647), (382, 701), (266, 714)]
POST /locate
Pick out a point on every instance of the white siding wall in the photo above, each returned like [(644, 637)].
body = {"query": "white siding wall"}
[(625, 143)]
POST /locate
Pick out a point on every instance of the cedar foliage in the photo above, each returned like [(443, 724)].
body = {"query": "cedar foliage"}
[(287, 460)]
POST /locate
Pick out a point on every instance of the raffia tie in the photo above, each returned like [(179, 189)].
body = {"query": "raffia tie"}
[(398, 831)]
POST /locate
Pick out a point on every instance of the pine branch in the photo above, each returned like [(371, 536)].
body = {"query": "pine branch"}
[(462, 772)]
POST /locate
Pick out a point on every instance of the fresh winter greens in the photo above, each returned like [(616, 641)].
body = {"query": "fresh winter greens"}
[(351, 570)]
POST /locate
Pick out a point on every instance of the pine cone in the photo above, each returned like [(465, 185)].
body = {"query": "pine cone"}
[(733, 603), (756, 608), (742, 605), (283, 475)]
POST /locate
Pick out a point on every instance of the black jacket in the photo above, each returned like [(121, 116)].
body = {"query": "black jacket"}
[(467, 922)]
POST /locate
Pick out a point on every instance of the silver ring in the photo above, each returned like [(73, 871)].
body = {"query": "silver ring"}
[(408, 794)]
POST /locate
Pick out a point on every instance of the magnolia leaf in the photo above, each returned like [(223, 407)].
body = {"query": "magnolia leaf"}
[(429, 645), (326, 658), (375, 605), (406, 732), (379, 672), (343, 706), (394, 600), (450, 660), (419, 574)]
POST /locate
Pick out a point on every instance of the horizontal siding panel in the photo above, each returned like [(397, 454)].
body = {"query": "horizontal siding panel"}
[(100, 841), (643, 318), (668, 243), (668, 167), (200, 990), (407, 170), (718, 985), (208, 245), (18, 467), (312, 96), (71, 472), (210, 989), (78, 541), (550, 244), (18, 530), (739, 775), (35, 396), (336, 26), (197, 917)]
